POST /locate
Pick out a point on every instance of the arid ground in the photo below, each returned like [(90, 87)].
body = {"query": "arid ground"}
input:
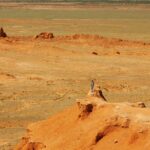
[(40, 77)]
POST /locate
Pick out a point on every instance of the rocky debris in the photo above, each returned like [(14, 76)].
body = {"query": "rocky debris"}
[(119, 121), (2, 33), (140, 104), (137, 104), (45, 35), (115, 141), (25, 144), (118, 52), (103, 41), (86, 36), (94, 53)]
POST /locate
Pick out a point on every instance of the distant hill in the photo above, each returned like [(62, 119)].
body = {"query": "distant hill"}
[(81, 1)]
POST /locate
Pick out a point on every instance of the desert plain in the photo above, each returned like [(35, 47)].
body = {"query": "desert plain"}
[(40, 77)]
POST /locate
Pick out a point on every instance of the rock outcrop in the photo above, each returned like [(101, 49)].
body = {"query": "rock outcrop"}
[(45, 35), (93, 100), (97, 92), (2, 33)]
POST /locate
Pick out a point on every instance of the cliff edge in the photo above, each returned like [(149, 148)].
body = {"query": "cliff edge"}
[(92, 124)]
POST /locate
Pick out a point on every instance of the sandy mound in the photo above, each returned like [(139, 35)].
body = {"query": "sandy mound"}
[(92, 124), (2, 33)]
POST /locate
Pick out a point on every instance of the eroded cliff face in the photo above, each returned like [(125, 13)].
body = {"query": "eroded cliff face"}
[(92, 124)]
